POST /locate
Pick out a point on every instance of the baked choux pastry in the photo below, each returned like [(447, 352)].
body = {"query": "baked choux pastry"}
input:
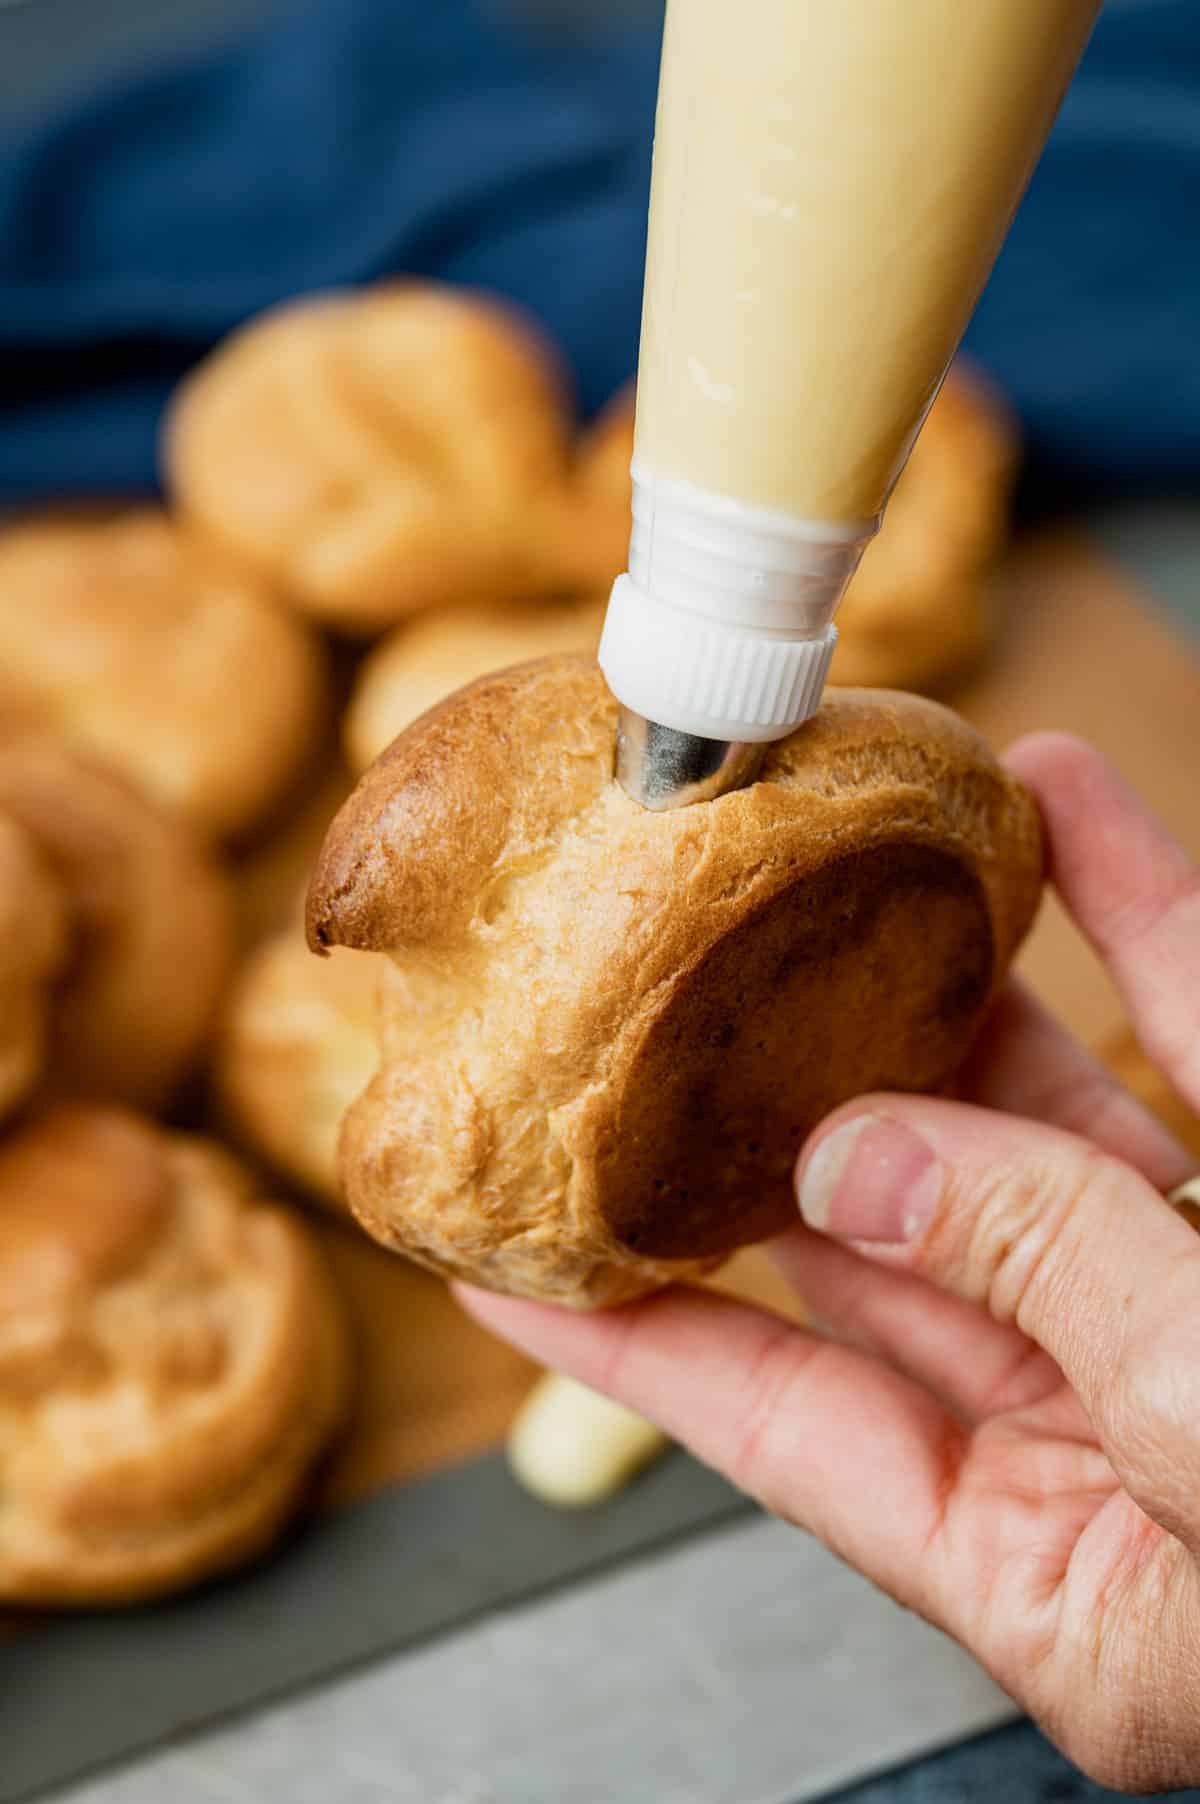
[(132, 639), (172, 1361), (298, 1046), (148, 923), (395, 449), (607, 1032), (33, 951), (420, 664)]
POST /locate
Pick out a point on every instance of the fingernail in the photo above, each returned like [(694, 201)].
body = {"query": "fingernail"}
[(871, 1180)]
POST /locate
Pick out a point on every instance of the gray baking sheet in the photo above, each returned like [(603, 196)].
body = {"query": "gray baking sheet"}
[(380, 1576), (743, 1666)]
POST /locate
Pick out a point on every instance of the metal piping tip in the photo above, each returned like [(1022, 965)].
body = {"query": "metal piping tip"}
[(661, 768)]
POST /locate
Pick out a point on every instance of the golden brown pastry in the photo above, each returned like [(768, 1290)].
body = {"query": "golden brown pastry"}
[(277, 868), (607, 1032), (298, 1047), (148, 920), (33, 950), (420, 664), (132, 639), (172, 1361), (917, 615), (391, 450)]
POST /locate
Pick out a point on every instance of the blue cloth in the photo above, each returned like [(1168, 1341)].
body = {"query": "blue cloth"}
[(1013, 1766), (141, 220)]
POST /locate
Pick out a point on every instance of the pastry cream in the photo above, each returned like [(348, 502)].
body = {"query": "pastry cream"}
[(832, 182)]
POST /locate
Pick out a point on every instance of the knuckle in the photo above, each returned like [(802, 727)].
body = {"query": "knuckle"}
[(1018, 1233), (759, 1460), (1164, 1388), (631, 1330), (1170, 915)]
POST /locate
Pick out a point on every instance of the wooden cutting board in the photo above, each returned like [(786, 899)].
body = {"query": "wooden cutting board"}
[(1081, 649)]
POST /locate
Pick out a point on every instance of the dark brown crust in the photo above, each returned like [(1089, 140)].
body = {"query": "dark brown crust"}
[(610, 1031), (863, 976)]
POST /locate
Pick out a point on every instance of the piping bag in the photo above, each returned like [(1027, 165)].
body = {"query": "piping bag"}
[(833, 181)]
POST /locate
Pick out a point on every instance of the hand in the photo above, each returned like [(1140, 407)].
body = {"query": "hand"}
[(1000, 1420)]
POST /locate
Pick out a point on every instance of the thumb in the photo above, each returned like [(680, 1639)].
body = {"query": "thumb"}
[(1043, 1231)]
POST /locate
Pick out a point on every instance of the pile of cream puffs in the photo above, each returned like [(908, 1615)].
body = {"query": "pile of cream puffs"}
[(371, 500)]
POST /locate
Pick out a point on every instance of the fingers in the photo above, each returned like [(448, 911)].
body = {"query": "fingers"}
[(805, 1426), (1027, 1064), (1071, 1247), (1132, 889), (978, 1367)]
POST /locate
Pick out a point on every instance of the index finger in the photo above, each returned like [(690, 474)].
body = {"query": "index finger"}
[(1131, 887), (806, 1426)]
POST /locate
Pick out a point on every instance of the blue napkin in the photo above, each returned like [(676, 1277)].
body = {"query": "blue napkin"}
[(1015, 1765), (143, 218)]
